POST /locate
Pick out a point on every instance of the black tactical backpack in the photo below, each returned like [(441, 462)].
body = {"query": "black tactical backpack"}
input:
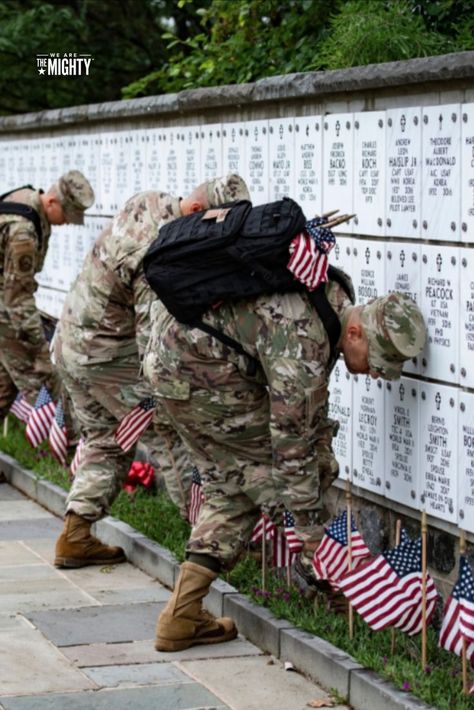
[(17, 208), (230, 253)]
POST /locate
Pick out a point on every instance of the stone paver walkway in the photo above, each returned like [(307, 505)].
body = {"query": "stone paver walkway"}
[(83, 639)]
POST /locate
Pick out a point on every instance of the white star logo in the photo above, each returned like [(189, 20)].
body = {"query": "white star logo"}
[(41, 71)]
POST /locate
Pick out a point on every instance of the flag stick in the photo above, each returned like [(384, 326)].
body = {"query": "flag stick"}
[(465, 689), (5, 427), (349, 551), (398, 532), (264, 556), (423, 589)]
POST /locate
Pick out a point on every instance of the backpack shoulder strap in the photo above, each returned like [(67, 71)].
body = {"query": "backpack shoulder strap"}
[(328, 316), (15, 189), (17, 208), (325, 311)]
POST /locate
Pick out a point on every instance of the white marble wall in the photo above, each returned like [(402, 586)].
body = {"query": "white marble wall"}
[(408, 174)]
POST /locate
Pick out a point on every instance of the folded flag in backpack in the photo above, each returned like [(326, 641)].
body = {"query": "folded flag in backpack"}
[(135, 423), (58, 439), (41, 417), (309, 253), (20, 408)]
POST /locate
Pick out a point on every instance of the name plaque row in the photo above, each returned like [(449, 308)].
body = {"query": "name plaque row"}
[(406, 173), (410, 441)]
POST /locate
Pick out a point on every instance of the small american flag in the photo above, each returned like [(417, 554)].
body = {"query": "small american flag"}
[(309, 254), (264, 526), (135, 423), (76, 462), (20, 408), (40, 419), (458, 621), (281, 552), (387, 591), (330, 558), (295, 545), (58, 439), (197, 496)]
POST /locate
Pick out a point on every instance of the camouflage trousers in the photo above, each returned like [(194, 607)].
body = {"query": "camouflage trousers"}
[(228, 433), (19, 371), (102, 394)]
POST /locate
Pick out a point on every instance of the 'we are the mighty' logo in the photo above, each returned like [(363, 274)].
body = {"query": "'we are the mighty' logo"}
[(63, 64)]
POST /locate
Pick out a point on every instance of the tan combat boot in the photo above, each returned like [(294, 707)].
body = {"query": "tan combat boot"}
[(183, 622), (76, 547)]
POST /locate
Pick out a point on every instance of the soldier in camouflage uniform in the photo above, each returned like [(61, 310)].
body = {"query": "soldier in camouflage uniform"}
[(24, 354), (263, 439), (100, 341)]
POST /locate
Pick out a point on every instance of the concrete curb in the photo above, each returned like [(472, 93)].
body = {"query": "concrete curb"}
[(309, 654)]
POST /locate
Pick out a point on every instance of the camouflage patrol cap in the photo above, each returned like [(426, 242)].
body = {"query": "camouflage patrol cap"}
[(226, 189), (75, 195), (396, 332)]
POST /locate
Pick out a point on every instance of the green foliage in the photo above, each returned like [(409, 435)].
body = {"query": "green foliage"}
[(124, 39), (439, 684), (241, 42), (157, 46), (371, 31), (155, 516)]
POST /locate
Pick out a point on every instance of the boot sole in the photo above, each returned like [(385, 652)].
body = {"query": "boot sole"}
[(170, 646), (74, 563)]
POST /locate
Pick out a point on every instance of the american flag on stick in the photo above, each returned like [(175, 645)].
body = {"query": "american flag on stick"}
[(197, 496), (20, 408), (135, 423), (330, 560), (40, 419), (264, 526), (76, 462), (388, 590), (458, 621), (295, 545), (281, 552), (58, 439)]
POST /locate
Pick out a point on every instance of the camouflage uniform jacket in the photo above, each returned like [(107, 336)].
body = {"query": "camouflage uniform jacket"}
[(285, 334), (21, 257), (106, 313)]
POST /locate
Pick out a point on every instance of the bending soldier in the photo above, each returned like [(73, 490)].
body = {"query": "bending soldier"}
[(265, 438), (101, 338), (25, 364)]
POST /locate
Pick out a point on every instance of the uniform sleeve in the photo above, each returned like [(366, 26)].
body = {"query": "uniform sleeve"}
[(143, 299), (21, 264), (21, 260)]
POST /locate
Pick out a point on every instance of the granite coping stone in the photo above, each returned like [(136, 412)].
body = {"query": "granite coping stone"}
[(256, 623), (368, 690), (320, 660), (309, 654)]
